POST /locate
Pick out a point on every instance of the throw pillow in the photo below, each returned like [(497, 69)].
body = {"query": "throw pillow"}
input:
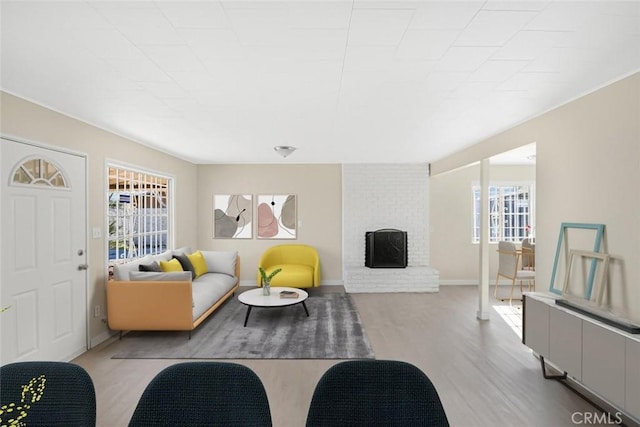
[(221, 261), (198, 262), (186, 264), (173, 265), (154, 266), (121, 271)]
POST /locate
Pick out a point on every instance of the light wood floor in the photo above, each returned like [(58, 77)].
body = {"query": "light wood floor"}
[(484, 374)]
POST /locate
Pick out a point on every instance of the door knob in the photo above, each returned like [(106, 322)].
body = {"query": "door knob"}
[(83, 267)]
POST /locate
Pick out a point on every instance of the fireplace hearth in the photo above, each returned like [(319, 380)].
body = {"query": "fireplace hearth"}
[(386, 248)]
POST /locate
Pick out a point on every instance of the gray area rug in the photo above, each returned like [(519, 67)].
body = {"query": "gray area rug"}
[(332, 331)]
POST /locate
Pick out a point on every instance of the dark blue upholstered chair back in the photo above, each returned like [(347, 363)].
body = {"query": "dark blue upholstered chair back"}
[(203, 394), (375, 393), (47, 394)]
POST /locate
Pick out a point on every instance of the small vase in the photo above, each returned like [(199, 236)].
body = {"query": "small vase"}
[(266, 288)]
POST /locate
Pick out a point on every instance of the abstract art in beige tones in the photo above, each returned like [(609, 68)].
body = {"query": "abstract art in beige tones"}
[(233, 216)]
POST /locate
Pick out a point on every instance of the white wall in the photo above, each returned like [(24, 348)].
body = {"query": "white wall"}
[(451, 218), (318, 188), (27, 121), (588, 170)]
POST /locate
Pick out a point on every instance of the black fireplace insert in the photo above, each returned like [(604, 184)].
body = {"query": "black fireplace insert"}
[(386, 248)]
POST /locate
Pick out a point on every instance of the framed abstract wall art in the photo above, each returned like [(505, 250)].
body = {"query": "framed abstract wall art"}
[(277, 217), (233, 216)]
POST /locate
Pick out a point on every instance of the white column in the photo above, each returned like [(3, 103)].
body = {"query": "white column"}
[(483, 288)]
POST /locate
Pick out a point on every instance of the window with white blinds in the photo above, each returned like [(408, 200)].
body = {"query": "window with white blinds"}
[(138, 213), (511, 212)]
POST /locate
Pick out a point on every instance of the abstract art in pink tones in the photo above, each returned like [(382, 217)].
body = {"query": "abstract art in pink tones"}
[(267, 222), (277, 217)]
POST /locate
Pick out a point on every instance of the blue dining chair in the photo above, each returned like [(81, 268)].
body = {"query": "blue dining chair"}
[(47, 394), (370, 393), (212, 394)]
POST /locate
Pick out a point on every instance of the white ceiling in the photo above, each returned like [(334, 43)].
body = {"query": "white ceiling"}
[(524, 155), (344, 81)]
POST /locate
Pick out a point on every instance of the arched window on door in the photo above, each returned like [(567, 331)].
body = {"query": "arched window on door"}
[(38, 171)]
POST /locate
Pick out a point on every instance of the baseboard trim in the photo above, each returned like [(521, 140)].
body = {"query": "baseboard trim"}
[(365, 289), (331, 283), (454, 282), (99, 339), (322, 283), (460, 282), (472, 282)]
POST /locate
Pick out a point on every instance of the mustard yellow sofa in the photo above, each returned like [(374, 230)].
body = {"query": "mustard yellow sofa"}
[(143, 300), (300, 266)]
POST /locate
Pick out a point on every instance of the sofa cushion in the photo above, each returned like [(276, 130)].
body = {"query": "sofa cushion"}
[(208, 289), (198, 262), (178, 276), (164, 256), (186, 264), (173, 265), (121, 271), (182, 251), (221, 261), (154, 266)]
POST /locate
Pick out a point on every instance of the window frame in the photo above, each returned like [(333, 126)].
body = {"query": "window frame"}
[(494, 238), (144, 233)]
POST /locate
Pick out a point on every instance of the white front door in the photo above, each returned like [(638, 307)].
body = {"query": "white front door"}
[(44, 277)]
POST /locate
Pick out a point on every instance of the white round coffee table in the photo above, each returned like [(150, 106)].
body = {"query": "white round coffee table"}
[(254, 298)]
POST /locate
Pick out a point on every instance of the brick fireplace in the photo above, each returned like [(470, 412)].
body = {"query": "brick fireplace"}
[(380, 196)]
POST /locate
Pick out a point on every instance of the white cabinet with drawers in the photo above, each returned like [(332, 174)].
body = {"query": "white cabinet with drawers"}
[(632, 379), (603, 362), (604, 359), (536, 325), (565, 342)]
